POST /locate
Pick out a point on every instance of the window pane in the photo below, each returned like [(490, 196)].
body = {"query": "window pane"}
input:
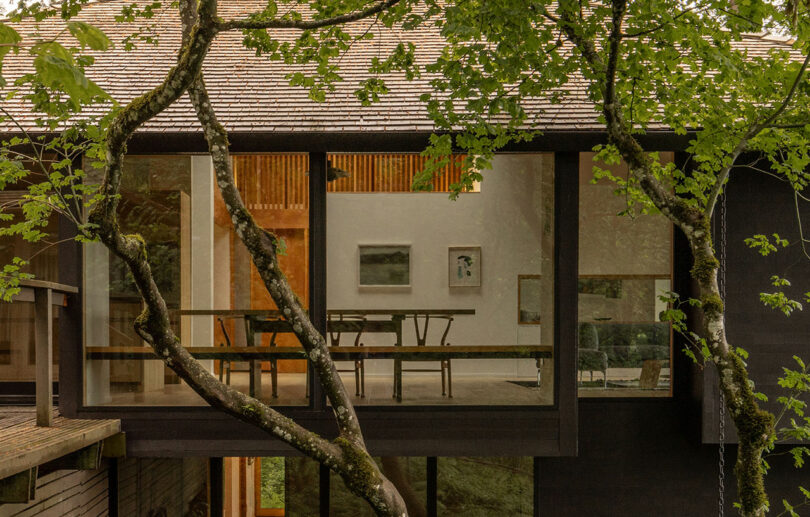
[(456, 294), (625, 263), (302, 491), (17, 353), (407, 474), (163, 486), (200, 265), (271, 485), (482, 487)]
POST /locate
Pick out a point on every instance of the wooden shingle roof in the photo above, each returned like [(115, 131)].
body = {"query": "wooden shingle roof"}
[(251, 94)]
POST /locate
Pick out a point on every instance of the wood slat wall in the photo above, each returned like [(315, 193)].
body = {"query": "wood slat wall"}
[(389, 172), (66, 492), (273, 181), (280, 181)]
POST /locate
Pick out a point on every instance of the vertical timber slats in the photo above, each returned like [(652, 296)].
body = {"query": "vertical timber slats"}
[(389, 172), (279, 181)]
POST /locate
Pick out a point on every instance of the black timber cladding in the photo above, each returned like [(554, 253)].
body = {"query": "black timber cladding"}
[(757, 203)]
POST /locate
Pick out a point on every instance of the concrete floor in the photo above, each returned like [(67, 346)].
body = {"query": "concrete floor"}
[(418, 389), (626, 376)]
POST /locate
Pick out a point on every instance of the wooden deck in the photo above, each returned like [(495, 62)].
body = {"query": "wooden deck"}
[(24, 445)]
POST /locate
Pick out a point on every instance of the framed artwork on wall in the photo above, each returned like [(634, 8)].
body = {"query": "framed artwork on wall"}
[(529, 298), (384, 265), (464, 266)]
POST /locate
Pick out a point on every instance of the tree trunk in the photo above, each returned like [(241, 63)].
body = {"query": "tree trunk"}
[(755, 427), (347, 454)]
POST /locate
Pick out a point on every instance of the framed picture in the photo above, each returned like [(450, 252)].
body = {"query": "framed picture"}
[(529, 297), (384, 265), (464, 266)]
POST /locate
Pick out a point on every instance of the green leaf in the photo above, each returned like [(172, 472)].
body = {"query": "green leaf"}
[(89, 36), (61, 75), (8, 42), (52, 48), (789, 508)]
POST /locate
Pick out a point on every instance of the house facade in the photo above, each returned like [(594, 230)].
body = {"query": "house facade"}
[(559, 393)]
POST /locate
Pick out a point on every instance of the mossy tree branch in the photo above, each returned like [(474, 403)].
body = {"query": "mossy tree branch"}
[(282, 23), (356, 466), (153, 325), (346, 455), (755, 426)]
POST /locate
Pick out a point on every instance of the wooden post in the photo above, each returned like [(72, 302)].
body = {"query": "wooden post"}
[(43, 339)]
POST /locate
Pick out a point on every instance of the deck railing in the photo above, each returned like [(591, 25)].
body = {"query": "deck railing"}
[(44, 295)]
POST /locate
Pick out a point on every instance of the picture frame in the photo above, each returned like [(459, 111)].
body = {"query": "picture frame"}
[(384, 266), (529, 299), (464, 266)]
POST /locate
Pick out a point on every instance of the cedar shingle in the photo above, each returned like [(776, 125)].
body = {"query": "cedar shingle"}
[(251, 94)]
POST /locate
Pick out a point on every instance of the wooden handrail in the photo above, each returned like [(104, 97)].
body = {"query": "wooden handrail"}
[(53, 286), (45, 296)]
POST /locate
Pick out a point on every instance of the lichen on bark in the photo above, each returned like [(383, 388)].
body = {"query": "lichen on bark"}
[(754, 425)]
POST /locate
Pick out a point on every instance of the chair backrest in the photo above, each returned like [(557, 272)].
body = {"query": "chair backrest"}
[(273, 327), (422, 334), (225, 333), (588, 336), (344, 325)]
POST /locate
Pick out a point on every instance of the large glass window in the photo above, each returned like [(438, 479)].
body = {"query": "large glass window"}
[(206, 277), (481, 487), (17, 356), (465, 486), (302, 489), (163, 486), (270, 487), (450, 301), (625, 263), (409, 476)]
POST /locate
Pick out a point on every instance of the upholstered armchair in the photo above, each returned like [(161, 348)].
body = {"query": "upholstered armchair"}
[(591, 358)]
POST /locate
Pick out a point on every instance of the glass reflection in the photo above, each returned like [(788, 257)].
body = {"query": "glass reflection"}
[(625, 264), (206, 277), (471, 278)]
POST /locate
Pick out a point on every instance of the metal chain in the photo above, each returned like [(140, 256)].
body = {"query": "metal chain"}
[(722, 453), (722, 431)]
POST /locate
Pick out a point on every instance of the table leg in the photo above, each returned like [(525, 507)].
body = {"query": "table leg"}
[(398, 379), (398, 319), (539, 364), (255, 367), (273, 376), (449, 380)]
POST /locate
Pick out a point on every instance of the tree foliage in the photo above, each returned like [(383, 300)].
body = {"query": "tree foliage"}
[(507, 67)]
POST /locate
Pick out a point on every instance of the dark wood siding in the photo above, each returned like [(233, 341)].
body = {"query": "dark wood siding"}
[(65, 493), (644, 457), (759, 204)]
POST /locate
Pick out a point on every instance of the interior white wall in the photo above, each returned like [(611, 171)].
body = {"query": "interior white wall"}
[(506, 219), (202, 252), (96, 291)]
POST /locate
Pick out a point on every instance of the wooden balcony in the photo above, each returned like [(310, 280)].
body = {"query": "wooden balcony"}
[(39, 437)]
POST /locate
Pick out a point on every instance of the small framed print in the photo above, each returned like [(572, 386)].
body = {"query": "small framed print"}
[(464, 266), (529, 299), (384, 265)]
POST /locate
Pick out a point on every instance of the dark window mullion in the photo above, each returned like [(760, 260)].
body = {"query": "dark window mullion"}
[(317, 260), (432, 486)]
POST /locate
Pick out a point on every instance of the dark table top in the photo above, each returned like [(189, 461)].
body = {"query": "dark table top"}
[(239, 313)]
